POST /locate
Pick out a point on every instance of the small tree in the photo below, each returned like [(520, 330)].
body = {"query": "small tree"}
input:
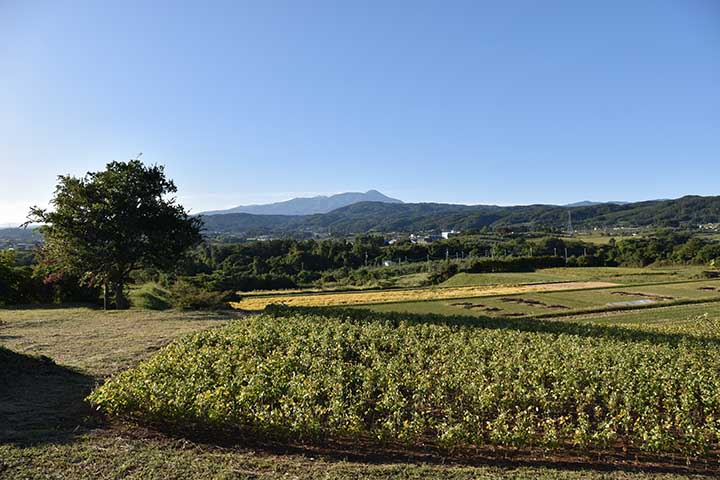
[(105, 225)]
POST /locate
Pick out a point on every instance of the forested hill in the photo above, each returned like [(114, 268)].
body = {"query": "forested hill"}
[(415, 217)]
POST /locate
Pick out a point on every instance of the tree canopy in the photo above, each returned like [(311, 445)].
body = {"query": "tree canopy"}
[(103, 226)]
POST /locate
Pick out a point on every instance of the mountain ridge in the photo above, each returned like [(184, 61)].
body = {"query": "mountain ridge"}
[(590, 203), (308, 205), (379, 217)]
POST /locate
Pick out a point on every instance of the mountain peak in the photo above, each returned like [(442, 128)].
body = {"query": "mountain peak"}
[(588, 203), (309, 205)]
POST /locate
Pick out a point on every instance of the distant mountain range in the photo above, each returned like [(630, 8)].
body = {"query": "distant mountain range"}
[(309, 205), (415, 217), (326, 204), (587, 203), (386, 214)]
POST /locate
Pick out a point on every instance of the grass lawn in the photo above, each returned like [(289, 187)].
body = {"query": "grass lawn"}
[(47, 431), (504, 278)]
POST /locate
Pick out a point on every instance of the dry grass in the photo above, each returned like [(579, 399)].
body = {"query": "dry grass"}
[(96, 342)]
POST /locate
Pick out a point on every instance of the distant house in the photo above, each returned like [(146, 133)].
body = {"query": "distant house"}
[(449, 234), (425, 238), (388, 263), (262, 238)]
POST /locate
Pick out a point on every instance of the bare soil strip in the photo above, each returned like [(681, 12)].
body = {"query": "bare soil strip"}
[(654, 296)]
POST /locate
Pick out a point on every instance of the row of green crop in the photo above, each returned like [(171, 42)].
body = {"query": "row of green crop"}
[(359, 374)]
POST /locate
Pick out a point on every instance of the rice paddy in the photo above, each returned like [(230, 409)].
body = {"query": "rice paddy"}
[(550, 303), (257, 302), (547, 292)]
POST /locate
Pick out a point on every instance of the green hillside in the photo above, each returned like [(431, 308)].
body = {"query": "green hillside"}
[(414, 217)]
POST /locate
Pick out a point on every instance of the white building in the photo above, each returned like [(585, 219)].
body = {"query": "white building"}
[(449, 234)]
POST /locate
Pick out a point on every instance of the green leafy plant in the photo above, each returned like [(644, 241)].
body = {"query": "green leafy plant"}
[(311, 375)]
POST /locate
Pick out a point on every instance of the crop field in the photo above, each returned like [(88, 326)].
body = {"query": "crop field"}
[(257, 302), (599, 239), (418, 380), (464, 287), (549, 303)]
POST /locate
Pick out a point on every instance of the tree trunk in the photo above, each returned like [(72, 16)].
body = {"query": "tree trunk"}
[(121, 303), (106, 295)]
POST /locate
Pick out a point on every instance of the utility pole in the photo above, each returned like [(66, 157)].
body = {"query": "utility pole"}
[(566, 257)]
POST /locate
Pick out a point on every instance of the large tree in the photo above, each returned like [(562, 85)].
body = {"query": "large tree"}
[(103, 226)]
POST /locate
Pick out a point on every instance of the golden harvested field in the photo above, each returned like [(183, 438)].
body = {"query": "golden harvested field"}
[(417, 294)]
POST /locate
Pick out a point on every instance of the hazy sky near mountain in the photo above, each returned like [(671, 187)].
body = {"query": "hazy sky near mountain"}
[(503, 102)]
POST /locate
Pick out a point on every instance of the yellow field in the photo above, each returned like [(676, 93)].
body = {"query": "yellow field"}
[(417, 294)]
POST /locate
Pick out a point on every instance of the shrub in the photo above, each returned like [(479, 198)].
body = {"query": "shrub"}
[(444, 272), (187, 296), (151, 296)]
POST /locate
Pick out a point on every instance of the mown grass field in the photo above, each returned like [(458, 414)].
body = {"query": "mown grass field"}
[(661, 315), (55, 434), (623, 275)]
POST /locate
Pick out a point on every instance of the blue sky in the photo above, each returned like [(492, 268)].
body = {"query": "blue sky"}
[(505, 102)]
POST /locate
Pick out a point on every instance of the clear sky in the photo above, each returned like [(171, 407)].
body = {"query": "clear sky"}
[(505, 102)]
